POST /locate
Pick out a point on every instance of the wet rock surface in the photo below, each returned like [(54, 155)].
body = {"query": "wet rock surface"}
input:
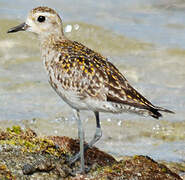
[(24, 155)]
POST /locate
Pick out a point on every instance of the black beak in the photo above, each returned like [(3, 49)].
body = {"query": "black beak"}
[(21, 27)]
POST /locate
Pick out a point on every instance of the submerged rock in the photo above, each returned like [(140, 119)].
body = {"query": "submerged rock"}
[(24, 155)]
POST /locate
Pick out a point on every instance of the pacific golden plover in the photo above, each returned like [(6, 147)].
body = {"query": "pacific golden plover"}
[(84, 79)]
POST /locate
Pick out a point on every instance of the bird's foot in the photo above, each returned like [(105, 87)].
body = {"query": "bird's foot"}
[(78, 170), (73, 159)]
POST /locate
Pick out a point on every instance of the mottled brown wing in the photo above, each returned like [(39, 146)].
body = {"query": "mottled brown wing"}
[(91, 74), (77, 71), (120, 91), (87, 73)]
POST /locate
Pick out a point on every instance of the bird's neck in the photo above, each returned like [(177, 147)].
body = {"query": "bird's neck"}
[(49, 40), (49, 48)]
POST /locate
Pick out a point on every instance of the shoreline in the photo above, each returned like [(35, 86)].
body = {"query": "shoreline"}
[(25, 155)]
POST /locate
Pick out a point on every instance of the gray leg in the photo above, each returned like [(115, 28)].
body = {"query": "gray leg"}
[(96, 137), (81, 136), (97, 134)]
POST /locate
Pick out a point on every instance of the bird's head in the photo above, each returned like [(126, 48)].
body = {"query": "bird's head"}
[(43, 21)]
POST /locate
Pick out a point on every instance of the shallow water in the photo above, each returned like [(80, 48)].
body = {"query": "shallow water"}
[(146, 39)]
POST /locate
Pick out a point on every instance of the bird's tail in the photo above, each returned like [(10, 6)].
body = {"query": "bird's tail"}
[(154, 111)]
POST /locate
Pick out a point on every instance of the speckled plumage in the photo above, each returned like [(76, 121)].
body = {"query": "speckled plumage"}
[(91, 78), (84, 79)]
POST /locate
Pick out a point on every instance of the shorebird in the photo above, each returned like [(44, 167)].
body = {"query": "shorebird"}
[(83, 78)]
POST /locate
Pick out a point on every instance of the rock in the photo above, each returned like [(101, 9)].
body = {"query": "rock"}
[(24, 155)]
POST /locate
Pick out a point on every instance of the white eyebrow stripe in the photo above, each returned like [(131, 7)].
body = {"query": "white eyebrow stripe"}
[(45, 14)]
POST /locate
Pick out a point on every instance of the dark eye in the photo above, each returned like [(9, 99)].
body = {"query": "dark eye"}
[(41, 19)]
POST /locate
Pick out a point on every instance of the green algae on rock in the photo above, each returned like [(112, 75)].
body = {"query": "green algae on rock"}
[(24, 155), (5, 173)]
